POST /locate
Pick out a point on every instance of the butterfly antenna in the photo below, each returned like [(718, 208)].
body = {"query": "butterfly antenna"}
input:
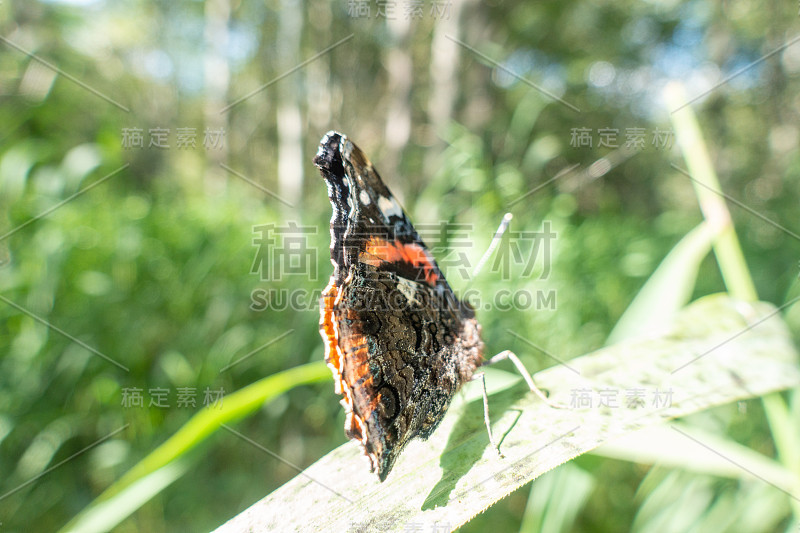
[(495, 242)]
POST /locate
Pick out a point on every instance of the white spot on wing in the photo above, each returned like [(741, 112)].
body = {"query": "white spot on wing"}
[(389, 207), (364, 197), (408, 289)]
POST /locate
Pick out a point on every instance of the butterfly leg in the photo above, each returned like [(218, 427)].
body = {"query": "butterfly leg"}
[(496, 446), (508, 354)]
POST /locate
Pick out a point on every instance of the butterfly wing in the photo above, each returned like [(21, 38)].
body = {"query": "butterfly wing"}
[(397, 339)]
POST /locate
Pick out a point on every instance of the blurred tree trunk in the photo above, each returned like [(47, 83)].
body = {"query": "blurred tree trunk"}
[(399, 66), (444, 69), (217, 80), (444, 86), (319, 89), (289, 91)]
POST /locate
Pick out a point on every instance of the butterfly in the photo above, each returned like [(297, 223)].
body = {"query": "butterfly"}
[(398, 340)]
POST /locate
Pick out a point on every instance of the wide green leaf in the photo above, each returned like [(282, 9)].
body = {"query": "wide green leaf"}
[(718, 350)]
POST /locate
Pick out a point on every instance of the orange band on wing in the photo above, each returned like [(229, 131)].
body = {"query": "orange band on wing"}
[(348, 359), (380, 250)]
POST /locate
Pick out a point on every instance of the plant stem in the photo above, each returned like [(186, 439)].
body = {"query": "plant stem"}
[(729, 256)]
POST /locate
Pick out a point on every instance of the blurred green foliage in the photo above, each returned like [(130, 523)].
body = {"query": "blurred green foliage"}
[(152, 267)]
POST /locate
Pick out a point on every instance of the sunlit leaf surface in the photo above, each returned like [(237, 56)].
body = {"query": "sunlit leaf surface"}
[(716, 351)]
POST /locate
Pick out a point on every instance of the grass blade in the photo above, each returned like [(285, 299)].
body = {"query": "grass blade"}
[(202, 425), (668, 289)]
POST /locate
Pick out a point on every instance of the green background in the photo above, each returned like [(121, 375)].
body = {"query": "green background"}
[(152, 267)]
